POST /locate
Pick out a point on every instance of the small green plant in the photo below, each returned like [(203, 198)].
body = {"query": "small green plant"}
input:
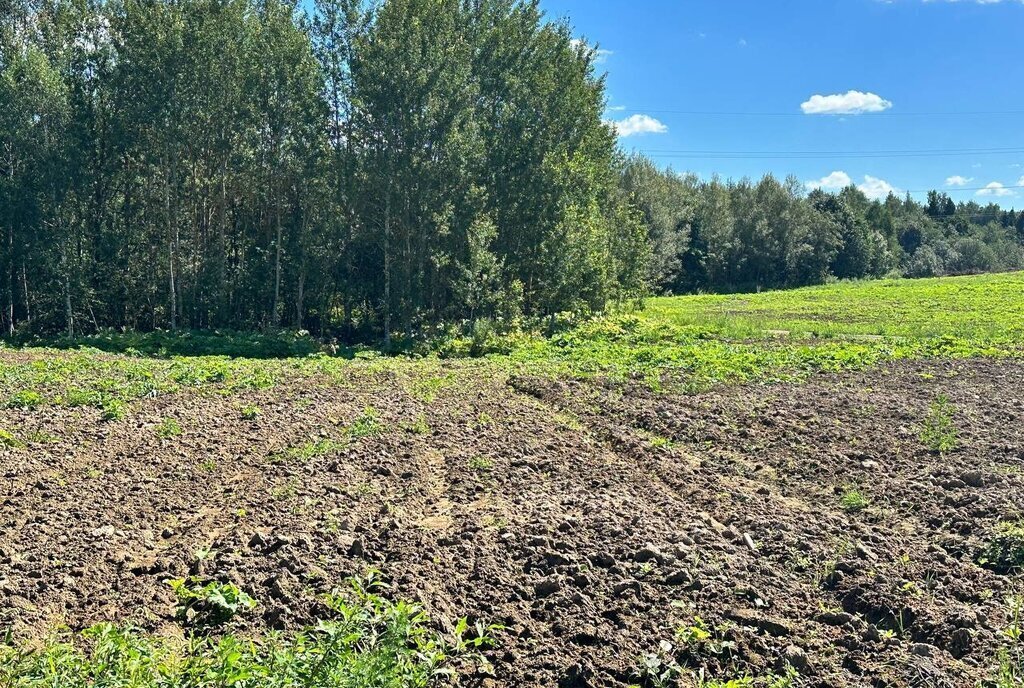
[(168, 428), (939, 433), (26, 399), (250, 412), (9, 441), (659, 442), (481, 463), (113, 409), (418, 426), (212, 604), (1005, 550), (368, 424), (309, 450), (853, 500), (1010, 673)]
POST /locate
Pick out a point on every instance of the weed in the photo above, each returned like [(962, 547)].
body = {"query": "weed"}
[(9, 441), (1005, 550), (368, 424), (367, 641), (113, 409), (250, 412), (213, 604), (1010, 672), (939, 433), (308, 451), (26, 399), (481, 463), (418, 426), (853, 500), (168, 428)]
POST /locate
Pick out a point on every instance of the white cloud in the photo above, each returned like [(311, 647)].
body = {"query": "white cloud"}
[(600, 54), (834, 181), (1020, 182), (872, 187), (875, 188), (995, 189), (743, 42), (849, 103), (638, 124), (958, 180)]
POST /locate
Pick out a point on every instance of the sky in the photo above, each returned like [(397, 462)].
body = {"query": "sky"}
[(904, 95)]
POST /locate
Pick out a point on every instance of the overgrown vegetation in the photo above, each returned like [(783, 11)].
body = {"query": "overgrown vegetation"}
[(369, 642)]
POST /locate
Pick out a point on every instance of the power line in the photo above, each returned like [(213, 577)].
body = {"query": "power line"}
[(887, 113), (819, 155), (952, 189)]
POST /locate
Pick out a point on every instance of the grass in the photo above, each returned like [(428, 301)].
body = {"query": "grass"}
[(369, 641), (698, 341), (689, 343), (853, 500)]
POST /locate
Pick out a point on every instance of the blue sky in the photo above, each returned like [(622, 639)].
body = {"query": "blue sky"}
[(926, 75)]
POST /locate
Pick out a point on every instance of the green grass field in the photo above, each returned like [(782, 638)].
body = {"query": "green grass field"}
[(697, 341)]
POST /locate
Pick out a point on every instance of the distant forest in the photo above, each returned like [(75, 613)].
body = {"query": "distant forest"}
[(368, 171)]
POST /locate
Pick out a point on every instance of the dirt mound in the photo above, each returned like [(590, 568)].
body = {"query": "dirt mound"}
[(591, 521)]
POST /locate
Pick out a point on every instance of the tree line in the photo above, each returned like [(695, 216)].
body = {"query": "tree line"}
[(370, 170), (744, 236)]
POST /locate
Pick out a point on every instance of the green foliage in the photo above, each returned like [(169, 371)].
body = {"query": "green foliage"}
[(250, 412), (369, 642), (9, 441), (113, 409), (1010, 673), (939, 433), (168, 428), (854, 500), (367, 424), (25, 398), (212, 604), (1005, 549)]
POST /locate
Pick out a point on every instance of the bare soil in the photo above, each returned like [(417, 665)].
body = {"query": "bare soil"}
[(589, 520)]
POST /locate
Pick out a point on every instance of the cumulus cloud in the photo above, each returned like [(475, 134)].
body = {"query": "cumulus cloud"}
[(875, 188), (958, 180), (849, 103), (836, 180), (638, 124), (996, 189), (872, 187)]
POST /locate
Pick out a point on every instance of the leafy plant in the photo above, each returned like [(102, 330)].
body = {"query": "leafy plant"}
[(367, 424), (367, 641), (250, 412), (113, 409), (212, 604), (1005, 550), (939, 433), (9, 441), (168, 428)]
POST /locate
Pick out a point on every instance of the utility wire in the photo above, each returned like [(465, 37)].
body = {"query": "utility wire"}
[(887, 113)]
